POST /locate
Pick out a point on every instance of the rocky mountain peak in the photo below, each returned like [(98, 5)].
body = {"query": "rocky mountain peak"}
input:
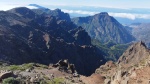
[(61, 14), (20, 10), (57, 13), (103, 14), (102, 17), (134, 54), (23, 11), (58, 10), (132, 67), (104, 28), (140, 44)]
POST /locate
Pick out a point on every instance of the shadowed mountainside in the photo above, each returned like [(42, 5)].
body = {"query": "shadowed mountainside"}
[(42, 38)]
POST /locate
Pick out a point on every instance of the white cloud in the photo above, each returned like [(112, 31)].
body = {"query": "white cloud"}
[(5, 7), (80, 12), (31, 7), (123, 15), (130, 15)]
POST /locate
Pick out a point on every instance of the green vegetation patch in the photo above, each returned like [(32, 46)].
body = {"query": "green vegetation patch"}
[(53, 81), (56, 81), (25, 66), (110, 50), (10, 80)]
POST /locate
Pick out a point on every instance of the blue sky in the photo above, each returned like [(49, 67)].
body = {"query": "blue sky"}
[(96, 3), (128, 9)]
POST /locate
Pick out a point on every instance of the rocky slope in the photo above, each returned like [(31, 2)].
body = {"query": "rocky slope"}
[(60, 73), (104, 28), (134, 54), (125, 71), (131, 68), (32, 73), (26, 36)]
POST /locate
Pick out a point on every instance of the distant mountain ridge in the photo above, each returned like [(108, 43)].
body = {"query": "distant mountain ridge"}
[(40, 10), (56, 13), (104, 28), (141, 32)]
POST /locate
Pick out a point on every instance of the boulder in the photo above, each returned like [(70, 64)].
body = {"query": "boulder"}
[(6, 75)]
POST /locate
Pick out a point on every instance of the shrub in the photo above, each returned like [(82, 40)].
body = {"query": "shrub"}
[(43, 82), (10, 80), (25, 66), (56, 81), (14, 67)]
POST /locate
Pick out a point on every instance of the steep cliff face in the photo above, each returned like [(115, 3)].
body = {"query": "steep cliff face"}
[(29, 37), (104, 28)]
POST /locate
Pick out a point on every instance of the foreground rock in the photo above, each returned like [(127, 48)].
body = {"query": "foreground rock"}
[(34, 73), (64, 65), (5, 74)]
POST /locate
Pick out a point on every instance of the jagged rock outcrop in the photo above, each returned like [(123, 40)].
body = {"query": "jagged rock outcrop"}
[(5, 74), (131, 68), (134, 54), (64, 65), (104, 28)]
